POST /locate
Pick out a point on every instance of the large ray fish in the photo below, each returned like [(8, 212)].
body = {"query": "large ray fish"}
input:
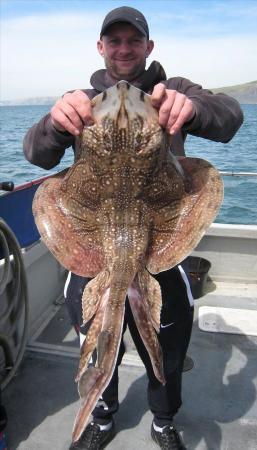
[(125, 209)]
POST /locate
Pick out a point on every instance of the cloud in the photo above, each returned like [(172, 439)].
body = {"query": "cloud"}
[(212, 62), (48, 54), (196, 19)]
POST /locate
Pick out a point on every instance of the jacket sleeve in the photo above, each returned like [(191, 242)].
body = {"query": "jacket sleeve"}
[(44, 146), (218, 116)]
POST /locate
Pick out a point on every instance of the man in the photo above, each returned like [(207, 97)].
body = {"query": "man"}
[(3, 424), (184, 107)]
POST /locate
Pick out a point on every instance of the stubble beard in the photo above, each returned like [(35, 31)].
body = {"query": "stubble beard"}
[(127, 75)]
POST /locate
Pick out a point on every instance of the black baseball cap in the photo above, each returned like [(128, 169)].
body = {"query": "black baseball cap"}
[(126, 14)]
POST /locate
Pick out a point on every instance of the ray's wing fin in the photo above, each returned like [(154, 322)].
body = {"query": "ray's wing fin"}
[(180, 223), (93, 293), (94, 302), (67, 221), (143, 316), (150, 292)]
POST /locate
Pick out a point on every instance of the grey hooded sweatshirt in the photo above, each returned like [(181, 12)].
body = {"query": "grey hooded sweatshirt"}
[(217, 117)]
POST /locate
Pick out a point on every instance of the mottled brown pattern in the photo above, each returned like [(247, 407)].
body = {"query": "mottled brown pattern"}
[(125, 206)]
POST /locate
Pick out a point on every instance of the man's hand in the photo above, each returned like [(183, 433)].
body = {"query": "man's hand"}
[(72, 112), (175, 109)]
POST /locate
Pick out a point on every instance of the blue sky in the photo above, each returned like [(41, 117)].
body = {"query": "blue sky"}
[(49, 46)]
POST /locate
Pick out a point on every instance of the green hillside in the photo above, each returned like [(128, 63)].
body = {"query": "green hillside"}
[(244, 93)]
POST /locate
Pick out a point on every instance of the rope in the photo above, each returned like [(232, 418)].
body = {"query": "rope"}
[(17, 303)]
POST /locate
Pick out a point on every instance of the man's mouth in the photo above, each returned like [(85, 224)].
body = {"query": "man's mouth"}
[(125, 60)]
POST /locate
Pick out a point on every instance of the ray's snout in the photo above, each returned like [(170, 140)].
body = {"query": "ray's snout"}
[(123, 86), (123, 103)]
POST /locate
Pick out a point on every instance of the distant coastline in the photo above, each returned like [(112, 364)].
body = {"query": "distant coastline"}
[(244, 93), (32, 101)]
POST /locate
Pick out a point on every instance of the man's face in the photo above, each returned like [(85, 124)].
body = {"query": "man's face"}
[(124, 50)]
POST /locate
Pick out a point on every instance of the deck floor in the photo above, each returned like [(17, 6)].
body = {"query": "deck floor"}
[(219, 410)]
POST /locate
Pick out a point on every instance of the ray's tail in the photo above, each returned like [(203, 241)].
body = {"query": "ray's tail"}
[(106, 333)]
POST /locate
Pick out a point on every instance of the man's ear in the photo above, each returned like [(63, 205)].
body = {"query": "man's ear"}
[(100, 47), (150, 46)]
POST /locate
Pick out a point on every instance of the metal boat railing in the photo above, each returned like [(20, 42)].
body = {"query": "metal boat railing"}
[(238, 174)]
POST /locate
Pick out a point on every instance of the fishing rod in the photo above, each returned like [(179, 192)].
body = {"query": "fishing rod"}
[(238, 174)]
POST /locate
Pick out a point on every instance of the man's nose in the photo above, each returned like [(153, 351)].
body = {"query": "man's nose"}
[(125, 47)]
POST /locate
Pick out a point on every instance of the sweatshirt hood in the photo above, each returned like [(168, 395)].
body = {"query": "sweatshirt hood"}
[(101, 80)]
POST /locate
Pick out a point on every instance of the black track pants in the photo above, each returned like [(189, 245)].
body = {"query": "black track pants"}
[(174, 337)]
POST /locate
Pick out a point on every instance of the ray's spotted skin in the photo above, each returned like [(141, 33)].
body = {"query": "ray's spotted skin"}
[(124, 209)]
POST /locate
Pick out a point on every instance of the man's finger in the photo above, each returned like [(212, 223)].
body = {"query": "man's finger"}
[(82, 105), (176, 110), (166, 108), (62, 122), (186, 114), (159, 91), (72, 114)]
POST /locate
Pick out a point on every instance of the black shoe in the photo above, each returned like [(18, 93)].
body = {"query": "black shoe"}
[(93, 438), (168, 439)]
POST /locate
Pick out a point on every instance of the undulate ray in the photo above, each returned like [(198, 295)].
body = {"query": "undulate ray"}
[(124, 206)]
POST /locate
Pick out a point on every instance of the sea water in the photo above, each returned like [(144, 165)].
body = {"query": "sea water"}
[(239, 155)]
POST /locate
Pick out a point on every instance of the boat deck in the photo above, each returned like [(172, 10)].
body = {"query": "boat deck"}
[(219, 408)]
